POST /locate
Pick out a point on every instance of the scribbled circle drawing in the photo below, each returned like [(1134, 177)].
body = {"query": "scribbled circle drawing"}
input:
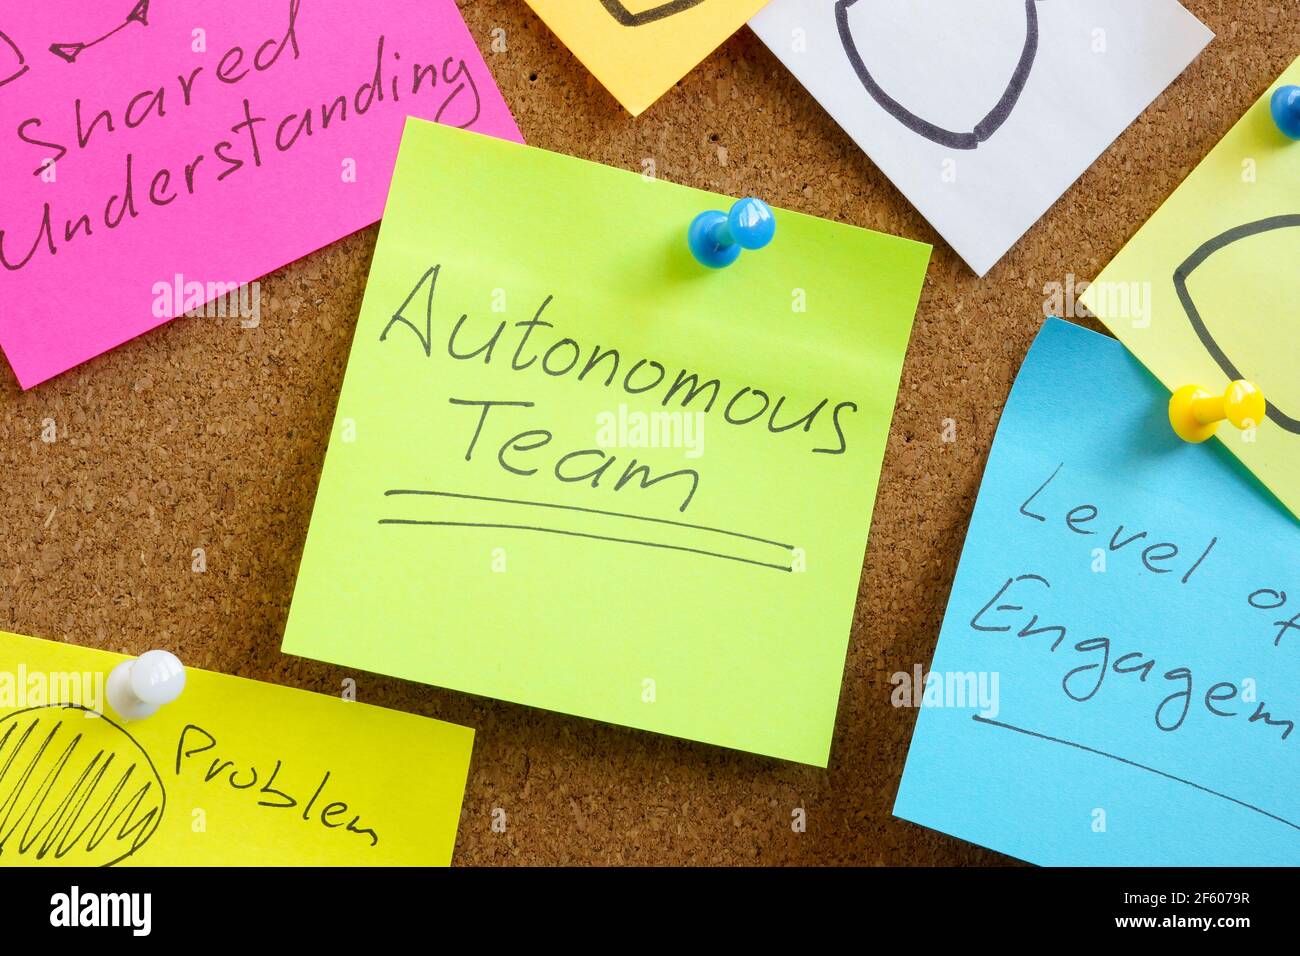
[(75, 789), (629, 19), (953, 139), (12, 62), (1198, 258)]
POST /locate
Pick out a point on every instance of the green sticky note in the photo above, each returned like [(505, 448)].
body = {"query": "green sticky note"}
[(574, 469)]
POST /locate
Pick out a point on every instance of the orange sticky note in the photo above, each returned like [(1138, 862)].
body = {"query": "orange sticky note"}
[(639, 48)]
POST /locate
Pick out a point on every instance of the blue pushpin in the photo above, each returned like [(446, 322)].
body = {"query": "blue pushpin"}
[(716, 239), (1286, 110)]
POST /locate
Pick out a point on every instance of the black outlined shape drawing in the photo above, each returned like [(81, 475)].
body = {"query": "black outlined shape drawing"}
[(75, 788), (629, 19), (937, 134), (11, 58), (1190, 265), (70, 51)]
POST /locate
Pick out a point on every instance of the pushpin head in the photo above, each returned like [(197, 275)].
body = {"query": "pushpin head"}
[(751, 223), (716, 239), (1244, 404), (1285, 105), (1195, 413), (136, 689)]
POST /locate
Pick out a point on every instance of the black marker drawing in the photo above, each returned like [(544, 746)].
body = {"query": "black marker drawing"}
[(70, 51), (75, 788), (323, 806), (629, 19), (1194, 261), (11, 58), (1133, 763), (986, 127), (787, 548)]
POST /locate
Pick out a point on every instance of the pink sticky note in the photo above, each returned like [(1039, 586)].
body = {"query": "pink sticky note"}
[(155, 154)]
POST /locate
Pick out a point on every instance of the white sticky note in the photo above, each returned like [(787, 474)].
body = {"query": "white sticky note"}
[(984, 113)]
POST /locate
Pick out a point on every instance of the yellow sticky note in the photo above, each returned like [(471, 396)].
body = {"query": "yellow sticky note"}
[(234, 772), (639, 48), (1206, 292)]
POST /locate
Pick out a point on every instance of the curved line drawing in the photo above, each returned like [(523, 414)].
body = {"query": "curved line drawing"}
[(629, 19), (82, 815), (18, 55), (1190, 265), (986, 127), (69, 52), (989, 722)]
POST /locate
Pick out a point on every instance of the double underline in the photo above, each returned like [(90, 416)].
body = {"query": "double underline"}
[(591, 536)]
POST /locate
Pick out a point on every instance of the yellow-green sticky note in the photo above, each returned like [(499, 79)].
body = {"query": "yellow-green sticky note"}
[(572, 468), (1206, 291), (234, 772)]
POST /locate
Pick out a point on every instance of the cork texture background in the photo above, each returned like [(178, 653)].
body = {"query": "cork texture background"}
[(207, 435)]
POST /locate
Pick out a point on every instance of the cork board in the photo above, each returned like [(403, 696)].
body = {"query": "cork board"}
[(207, 435)]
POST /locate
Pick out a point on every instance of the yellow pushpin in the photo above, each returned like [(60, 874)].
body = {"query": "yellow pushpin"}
[(1196, 413)]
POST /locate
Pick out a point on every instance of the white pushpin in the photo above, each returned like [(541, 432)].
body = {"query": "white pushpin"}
[(136, 689)]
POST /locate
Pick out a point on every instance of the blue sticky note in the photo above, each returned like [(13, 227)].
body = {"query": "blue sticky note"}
[(1117, 679)]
